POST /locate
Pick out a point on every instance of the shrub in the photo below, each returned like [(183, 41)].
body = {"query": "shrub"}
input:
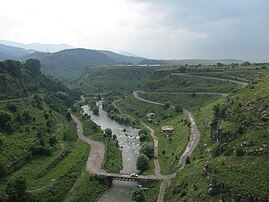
[(142, 162)]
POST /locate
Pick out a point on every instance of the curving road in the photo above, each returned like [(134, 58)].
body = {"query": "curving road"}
[(212, 78)]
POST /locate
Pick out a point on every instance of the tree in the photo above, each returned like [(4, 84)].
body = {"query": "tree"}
[(188, 160), (4, 118), (142, 137), (143, 131), (138, 195), (178, 108), (1, 143), (3, 170), (166, 105), (108, 132), (148, 150), (142, 162), (95, 110), (16, 190), (34, 66)]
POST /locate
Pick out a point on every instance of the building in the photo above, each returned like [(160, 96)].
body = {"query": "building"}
[(168, 129), (151, 115)]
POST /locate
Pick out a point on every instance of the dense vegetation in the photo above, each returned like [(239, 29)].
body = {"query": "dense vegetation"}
[(40, 156)]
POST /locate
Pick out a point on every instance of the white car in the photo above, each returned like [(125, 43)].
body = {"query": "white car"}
[(133, 175)]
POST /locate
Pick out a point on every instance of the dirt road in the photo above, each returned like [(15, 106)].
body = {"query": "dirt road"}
[(97, 153)]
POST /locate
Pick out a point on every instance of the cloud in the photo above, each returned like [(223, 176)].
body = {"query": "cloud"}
[(152, 28)]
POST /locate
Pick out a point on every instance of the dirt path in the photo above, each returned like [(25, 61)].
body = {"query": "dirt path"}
[(194, 139), (212, 78), (97, 153), (162, 189)]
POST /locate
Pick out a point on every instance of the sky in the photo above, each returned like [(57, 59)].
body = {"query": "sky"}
[(161, 29)]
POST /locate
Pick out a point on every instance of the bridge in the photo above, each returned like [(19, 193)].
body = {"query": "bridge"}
[(127, 177)]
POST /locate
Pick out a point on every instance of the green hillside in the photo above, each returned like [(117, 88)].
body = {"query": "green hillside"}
[(40, 156), (231, 161), (117, 79)]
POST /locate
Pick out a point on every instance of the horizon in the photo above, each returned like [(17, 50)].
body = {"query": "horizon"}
[(152, 29)]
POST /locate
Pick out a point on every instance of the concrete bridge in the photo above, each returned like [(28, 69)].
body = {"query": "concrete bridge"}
[(127, 177)]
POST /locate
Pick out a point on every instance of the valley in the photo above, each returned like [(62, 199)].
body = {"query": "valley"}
[(195, 130)]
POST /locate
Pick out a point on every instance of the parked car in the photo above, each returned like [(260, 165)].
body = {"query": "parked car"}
[(134, 175)]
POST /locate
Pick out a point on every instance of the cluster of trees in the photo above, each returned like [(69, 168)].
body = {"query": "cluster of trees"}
[(146, 151)]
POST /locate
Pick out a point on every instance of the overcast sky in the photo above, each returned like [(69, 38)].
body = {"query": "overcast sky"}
[(163, 29)]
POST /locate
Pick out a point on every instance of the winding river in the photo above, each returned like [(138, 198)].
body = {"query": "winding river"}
[(129, 145)]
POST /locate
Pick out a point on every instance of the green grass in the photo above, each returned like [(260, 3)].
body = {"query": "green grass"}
[(187, 101), (245, 174), (89, 189), (178, 83), (152, 192), (65, 174), (118, 79), (113, 158), (203, 118)]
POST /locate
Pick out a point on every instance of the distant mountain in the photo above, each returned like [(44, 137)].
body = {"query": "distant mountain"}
[(69, 64), (38, 46), (9, 52), (189, 62), (122, 59)]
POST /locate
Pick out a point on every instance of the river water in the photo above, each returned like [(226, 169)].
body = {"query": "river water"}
[(129, 143)]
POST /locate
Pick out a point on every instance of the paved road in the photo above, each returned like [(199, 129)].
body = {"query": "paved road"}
[(97, 153), (213, 78)]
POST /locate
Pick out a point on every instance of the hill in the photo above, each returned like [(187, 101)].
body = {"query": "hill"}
[(34, 47), (69, 64), (40, 158), (231, 160), (189, 62), (118, 79), (122, 59), (9, 52)]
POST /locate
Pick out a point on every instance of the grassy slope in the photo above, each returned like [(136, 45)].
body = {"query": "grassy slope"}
[(190, 181), (172, 83), (16, 145), (187, 101), (118, 79), (244, 174), (90, 189)]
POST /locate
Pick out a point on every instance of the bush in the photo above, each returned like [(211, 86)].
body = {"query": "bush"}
[(108, 132), (142, 137), (95, 110), (138, 195), (16, 190), (142, 162), (148, 150)]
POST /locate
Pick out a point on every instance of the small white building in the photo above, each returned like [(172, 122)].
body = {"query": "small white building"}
[(168, 129), (151, 115)]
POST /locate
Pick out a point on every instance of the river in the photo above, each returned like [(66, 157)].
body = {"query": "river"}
[(129, 145)]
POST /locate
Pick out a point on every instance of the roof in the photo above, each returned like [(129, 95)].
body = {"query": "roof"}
[(165, 128)]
